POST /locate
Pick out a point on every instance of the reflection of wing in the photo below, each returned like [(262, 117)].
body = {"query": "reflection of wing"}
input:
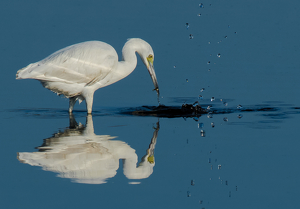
[(84, 157), (80, 64), (84, 160)]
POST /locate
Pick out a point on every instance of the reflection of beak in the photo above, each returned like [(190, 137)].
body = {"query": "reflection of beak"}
[(153, 75)]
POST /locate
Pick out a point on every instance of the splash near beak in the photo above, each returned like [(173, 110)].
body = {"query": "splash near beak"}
[(152, 73)]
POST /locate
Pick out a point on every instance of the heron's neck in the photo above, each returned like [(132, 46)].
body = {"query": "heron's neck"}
[(129, 59)]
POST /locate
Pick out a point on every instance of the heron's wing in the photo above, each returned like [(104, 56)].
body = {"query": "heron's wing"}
[(84, 63)]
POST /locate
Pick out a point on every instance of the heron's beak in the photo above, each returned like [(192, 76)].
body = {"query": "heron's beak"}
[(152, 74)]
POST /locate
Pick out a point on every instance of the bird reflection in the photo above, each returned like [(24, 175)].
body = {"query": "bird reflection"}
[(84, 157)]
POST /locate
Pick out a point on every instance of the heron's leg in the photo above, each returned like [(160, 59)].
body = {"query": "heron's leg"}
[(88, 95), (72, 103)]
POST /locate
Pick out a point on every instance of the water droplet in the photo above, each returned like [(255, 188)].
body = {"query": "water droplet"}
[(219, 55), (200, 125), (211, 167), (187, 25), (208, 107), (219, 167), (229, 193), (212, 124), (174, 66), (240, 116), (225, 36), (208, 62), (200, 97), (202, 133), (209, 115), (239, 106), (199, 15), (208, 42), (225, 119), (187, 80), (235, 188), (200, 201), (201, 5), (225, 104), (234, 32), (191, 36), (209, 160), (212, 99), (202, 89), (192, 182), (228, 26), (188, 194), (226, 182), (208, 70)]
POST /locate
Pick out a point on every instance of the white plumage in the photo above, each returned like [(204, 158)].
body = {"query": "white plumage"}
[(77, 71)]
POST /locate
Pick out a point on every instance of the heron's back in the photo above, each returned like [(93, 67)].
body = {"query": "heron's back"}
[(73, 67)]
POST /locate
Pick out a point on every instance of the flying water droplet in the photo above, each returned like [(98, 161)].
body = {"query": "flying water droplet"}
[(212, 99), (239, 116), (209, 160), (239, 106), (202, 89), (202, 133), (174, 66), (208, 107), (225, 36), (191, 36), (208, 42), (212, 124), (219, 167), (209, 115), (208, 62), (219, 55), (225, 119), (200, 125), (200, 97), (188, 194), (187, 25), (192, 182), (201, 5), (225, 104), (187, 80), (199, 15)]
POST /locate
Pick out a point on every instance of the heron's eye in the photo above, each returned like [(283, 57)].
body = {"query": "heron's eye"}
[(150, 56)]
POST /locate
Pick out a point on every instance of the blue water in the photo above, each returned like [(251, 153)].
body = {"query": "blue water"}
[(241, 53)]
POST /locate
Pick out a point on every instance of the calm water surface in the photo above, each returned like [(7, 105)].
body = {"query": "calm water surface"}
[(243, 53)]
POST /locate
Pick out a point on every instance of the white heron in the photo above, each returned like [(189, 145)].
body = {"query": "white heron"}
[(77, 71)]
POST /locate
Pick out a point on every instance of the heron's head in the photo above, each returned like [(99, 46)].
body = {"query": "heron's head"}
[(147, 55)]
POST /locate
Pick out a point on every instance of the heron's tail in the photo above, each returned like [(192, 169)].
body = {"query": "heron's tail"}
[(25, 72)]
